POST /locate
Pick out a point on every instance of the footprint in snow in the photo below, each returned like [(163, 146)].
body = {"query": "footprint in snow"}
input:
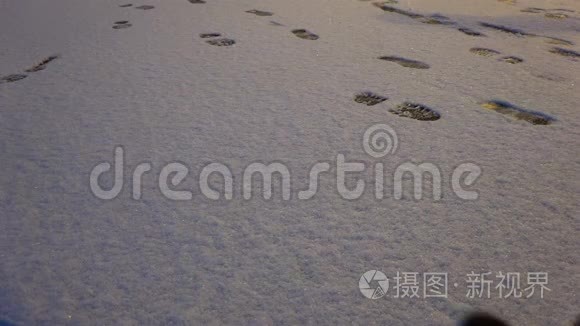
[(510, 110), (565, 53), (416, 111), (304, 34), (369, 98), (511, 59), (555, 15), (557, 41), (505, 29), (12, 78), (209, 35), (222, 42), (122, 24), (470, 32), (533, 10), (406, 62), (484, 52), (259, 12), (42, 64)]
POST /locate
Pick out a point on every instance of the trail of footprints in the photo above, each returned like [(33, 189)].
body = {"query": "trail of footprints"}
[(300, 33), (214, 40), (558, 13), (417, 111), (406, 110), (39, 66), (520, 33), (504, 108), (124, 24), (42, 65), (442, 20), (217, 40), (432, 20), (409, 110), (423, 113)]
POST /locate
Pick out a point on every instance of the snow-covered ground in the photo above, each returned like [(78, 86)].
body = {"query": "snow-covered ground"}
[(158, 89)]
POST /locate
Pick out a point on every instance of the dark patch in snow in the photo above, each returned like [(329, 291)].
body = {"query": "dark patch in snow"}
[(304, 34), (209, 35), (145, 7), (395, 10), (510, 110), (483, 52), (470, 32), (505, 29), (416, 111), (42, 64), (122, 24), (222, 42), (565, 52), (406, 62), (12, 78), (511, 59), (369, 98), (259, 12)]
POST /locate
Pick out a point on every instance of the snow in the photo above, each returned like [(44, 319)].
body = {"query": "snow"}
[(165, 95)]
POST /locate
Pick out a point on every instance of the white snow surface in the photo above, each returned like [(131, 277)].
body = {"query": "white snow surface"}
[(165, 95)]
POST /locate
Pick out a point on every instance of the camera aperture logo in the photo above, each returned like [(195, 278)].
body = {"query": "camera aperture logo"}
[(373, 284)]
